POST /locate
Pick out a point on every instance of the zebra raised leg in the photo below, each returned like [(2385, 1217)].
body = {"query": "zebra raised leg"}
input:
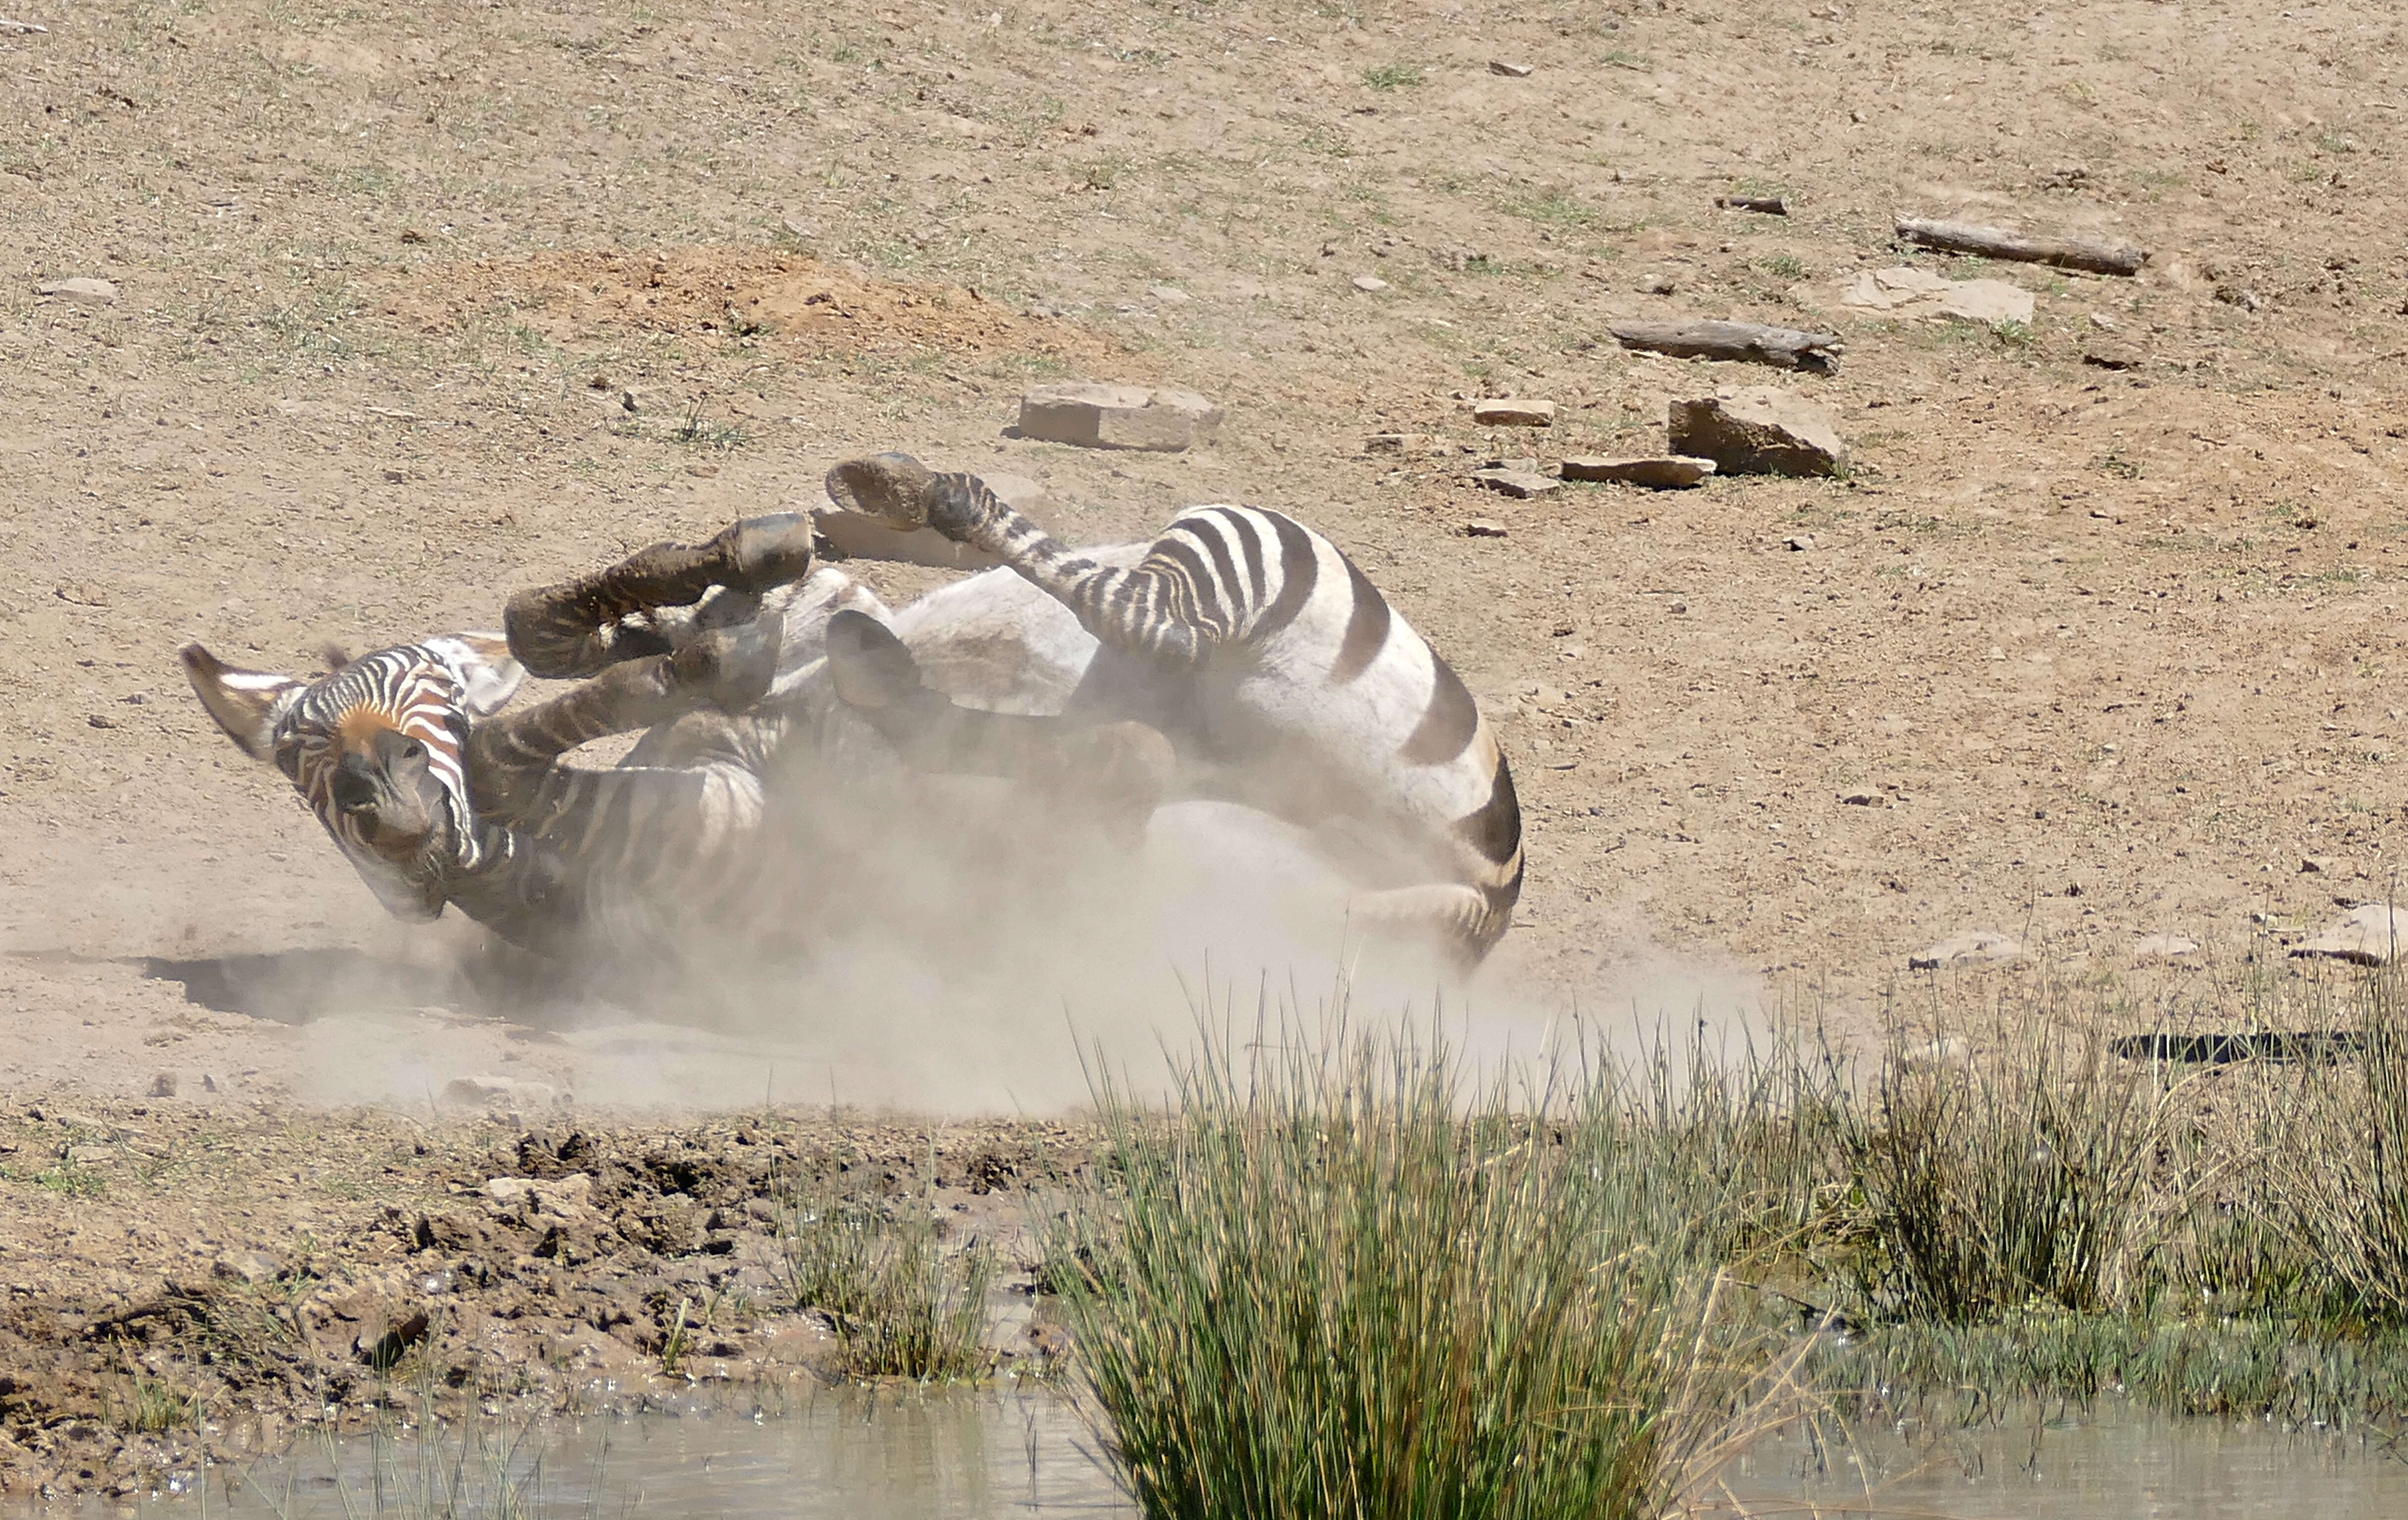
[(579, 628), (1306, 695)]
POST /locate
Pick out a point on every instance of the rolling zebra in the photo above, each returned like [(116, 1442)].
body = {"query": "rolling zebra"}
[(1283, 680), (793, 727)]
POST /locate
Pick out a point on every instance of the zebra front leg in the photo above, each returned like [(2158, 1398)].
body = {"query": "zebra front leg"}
[(509, 755), (579, 628), (1150, 608)]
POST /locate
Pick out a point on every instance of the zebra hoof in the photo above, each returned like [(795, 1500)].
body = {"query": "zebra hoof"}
[(761, 552), (893, 488)]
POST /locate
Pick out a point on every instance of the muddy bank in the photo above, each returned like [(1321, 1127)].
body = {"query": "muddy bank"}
[(190, 1285)]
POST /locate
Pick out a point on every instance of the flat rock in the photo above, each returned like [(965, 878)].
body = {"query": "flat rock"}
[(1975, 947), (1511, 71), (1759, 430), (82, 291), (1509, 411), (1664, 472), (859, 536), (1919, 292), (1481, 527), (1398, 443), (2370, 935), (501, 1092), (253, 1267), (1118, 417), (2108, 354), (1369, 285), (2163, 947), (1521, 485)]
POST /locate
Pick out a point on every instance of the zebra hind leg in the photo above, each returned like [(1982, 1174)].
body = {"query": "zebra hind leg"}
[(581, 626)]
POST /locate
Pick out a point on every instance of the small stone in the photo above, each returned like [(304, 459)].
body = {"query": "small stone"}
[(2101, 321), (1511, 71), (209, 1083), (2103, 354), (1972, 948), (703, 471), (2163, 947), (1117, 417), (2319, 866), (1507, 411), (1171, 294), (1760, 429), (1397, 443), (797, 227), (1664, 472), (1800, 542), (1481, 527), (1677, 608), (164, 1085), (1658, 283), (1520, 484), (82, 292), (395, 476), (1369, 285), (1861, 796), (253, 1267), (2370, 935)]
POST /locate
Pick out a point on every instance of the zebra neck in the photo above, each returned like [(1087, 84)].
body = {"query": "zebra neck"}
[(515, 888)]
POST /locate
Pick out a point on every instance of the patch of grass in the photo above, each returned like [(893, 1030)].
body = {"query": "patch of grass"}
[(902, 1299), (1555, 209), (73, 1180), (2012, 334), (1783, 266), (695, 433), (1332, 1282), (1394, 76), (147, 1405), (2114, 464)]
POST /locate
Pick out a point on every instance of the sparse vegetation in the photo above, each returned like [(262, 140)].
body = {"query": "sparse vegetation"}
[(902, 1298), (1392, 75)]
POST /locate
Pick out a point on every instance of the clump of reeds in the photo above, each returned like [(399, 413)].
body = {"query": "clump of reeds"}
[(2335, 1144), (1332, 1282), (2002, 1171), (903, 1299)]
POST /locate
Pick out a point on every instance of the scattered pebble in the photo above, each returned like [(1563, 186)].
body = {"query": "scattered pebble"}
[(80, 291), (1511, 71), (1972, 948), (1664, 472), (512, 1092), (1800, 542), (1760, 429), (1509, 411), (253, 1267), (1398, 443), (2163, 947), (1117, 417), (2319, 865), (2107, 354), (1171, 294), (1369, 285), (1861, 796), (1658, 283), (1481, 527)]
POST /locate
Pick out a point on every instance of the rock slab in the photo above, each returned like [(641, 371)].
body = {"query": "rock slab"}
[(1972, 948), (2371, 933), (1509, 411), (1663, 472), (1919, 292), (80, 291), (1118, 417), (1521, 485), (1759, 430)]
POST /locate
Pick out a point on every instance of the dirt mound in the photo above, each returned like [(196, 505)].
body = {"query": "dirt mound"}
[(757, 292)]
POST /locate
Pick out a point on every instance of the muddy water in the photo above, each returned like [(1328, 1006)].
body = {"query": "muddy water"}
[(966, 1457), (2109, 1465)]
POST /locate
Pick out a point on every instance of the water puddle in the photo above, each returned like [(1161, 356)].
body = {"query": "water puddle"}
[(836, 1454), (2109, 1465), (909, 1455)]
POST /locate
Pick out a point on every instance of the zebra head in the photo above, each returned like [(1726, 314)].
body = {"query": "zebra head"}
[(376, 748)]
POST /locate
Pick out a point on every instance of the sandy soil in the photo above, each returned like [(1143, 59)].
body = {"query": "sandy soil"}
[(416, 306)]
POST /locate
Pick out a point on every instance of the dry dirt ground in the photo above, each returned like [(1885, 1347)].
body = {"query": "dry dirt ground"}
[(418, 304)]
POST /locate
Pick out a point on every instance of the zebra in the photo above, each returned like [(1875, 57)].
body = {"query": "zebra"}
[(792, 724), (1280, 675)]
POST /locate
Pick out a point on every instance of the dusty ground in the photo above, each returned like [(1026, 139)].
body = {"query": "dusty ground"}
[(2114, 651)]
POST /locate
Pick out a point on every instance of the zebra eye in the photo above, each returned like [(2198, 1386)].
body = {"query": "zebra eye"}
[(414, 749)]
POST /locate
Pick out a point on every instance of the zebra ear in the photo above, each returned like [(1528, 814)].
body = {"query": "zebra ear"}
[(488, 677), (244, 702)]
